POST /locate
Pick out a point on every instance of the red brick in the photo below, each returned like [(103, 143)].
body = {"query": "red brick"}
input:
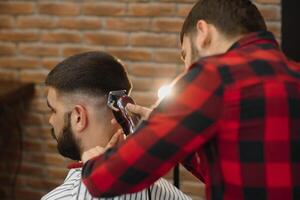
[(33, 76), (51, 146), (39, 50), (55, 160), (6, 21), (183, 10), (144, 98), (57, 173), (14, 62), (32, 145), (171, 56), (110, 39), (61, 36), (167, 25), (29, 169), (275, 28), (8, 75), (35, 22), (142, 84), (7, 49), (152, 9), (128, 24), (50, 63), (16, 7), (131, 54), (72, 50), (62, 9), (35, 157), (33, 119), (33, 182), (152, 70), (28, 194), (154, 40), (37, 132), (86, 23), (270, 12), (193, 188), (186, 175), (103, 9), (17, 36)]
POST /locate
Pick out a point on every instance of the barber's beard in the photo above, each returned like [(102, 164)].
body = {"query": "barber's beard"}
[(67, 145)]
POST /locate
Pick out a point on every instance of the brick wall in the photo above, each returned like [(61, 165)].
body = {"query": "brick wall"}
[(36, 35)]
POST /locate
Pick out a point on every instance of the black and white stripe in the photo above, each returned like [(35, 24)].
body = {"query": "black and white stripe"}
[(74, 189)]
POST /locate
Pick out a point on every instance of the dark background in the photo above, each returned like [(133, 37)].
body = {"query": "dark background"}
[(291, 29)]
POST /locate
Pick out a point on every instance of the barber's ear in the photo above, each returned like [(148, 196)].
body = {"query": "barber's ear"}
[(203, 37), (79, 118)]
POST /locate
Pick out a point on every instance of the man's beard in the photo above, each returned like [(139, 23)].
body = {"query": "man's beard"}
[(67, 145)]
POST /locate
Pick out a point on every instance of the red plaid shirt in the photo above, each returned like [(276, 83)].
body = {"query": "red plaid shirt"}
[(234, 122)]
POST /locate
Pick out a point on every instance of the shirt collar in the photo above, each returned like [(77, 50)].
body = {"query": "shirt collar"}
[(257, 38), (261, 39), (75, 165)]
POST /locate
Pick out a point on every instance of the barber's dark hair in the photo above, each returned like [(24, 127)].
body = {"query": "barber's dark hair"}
[(231, 17), (94, 73)]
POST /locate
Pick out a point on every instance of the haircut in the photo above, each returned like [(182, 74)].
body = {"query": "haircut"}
[(231, 17), (91, 73)]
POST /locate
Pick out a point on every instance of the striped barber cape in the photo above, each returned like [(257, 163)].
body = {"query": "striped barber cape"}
[(73, 189)]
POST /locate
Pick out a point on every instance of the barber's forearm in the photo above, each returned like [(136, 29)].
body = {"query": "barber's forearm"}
[(105, 177)]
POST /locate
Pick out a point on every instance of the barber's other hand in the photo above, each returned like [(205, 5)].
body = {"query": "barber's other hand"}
[(142, 111), (117, 138)]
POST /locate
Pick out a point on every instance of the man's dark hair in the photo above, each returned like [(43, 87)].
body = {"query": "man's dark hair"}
[(93, 73), (231, 17)]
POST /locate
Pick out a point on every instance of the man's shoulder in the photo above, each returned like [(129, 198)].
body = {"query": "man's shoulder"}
[(73, 188), (163, 189), (73, 174), (67, 189), (241, 65)]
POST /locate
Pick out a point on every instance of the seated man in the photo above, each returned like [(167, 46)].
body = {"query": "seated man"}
[(77, 90)]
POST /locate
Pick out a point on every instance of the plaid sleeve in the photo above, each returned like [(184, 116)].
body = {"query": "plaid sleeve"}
[(178, 126)]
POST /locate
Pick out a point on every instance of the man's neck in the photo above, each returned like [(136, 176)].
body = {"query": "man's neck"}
[(96, 135), (223, 44)]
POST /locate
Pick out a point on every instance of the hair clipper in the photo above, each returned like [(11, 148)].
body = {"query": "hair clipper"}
[(117, 101)]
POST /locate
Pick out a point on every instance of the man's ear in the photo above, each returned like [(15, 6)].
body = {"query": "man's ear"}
[(203, 37), (79, 118)]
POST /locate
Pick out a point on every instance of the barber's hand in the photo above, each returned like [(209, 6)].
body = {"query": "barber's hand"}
[(117, 138), (142, 111)]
